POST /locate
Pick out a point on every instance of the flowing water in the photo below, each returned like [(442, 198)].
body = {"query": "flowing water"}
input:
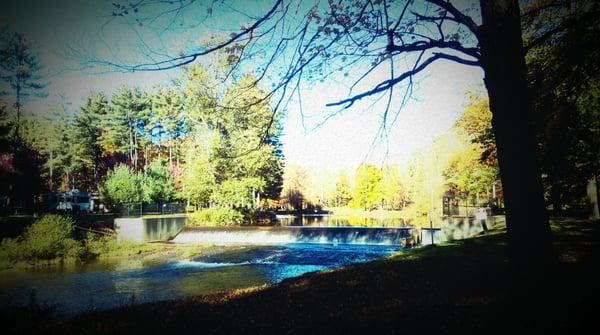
[(77, 289)]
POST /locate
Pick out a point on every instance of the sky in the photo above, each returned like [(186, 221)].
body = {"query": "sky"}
[(61, 30)]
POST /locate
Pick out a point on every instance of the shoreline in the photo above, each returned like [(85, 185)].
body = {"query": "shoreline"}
[(147, 254), (462, 285)]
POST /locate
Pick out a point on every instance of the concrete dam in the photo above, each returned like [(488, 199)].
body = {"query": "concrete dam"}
[(296, 234)]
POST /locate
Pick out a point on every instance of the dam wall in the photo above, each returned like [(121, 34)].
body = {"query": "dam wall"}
[(294, 234), (149, 228)]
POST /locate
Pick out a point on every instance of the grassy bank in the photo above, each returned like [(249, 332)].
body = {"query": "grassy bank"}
[(454, 287)]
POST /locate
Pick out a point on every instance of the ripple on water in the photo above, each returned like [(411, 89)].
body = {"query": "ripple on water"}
[(77, 290)]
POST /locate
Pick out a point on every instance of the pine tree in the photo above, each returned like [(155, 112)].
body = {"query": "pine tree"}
[(20, 70)]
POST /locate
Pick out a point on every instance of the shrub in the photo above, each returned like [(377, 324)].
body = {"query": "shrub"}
[(10, 250), (216, 217), (99, 244), (50, 237)]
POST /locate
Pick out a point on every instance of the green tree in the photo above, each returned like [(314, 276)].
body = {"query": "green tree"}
[(67, 155), (476, 122), (122, 185), (237, 193), (247, 146), (168, 116), (88, 131), (157, 184), (566, 134), (475, 170), (20, 70), (125, 124), (200, 96), (367, 190), (198, 181), (469, 175)]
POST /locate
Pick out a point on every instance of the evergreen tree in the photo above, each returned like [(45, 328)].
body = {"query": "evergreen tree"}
[(168, 120), (88, 131), (126, 123), (20, 71)]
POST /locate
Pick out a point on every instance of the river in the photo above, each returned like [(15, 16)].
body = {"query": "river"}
[(72, 290)]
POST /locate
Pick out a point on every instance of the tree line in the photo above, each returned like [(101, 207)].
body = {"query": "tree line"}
[(457, 164), (206, 137), (462, 164)]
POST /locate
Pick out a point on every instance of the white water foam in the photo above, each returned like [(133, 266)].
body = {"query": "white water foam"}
[(265, 237)]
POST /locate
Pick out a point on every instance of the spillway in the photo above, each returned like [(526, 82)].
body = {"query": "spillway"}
[(294, 234)]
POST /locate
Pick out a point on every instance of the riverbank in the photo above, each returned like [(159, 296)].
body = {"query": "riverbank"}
[(453, 287), (57, 241), (128, 255)]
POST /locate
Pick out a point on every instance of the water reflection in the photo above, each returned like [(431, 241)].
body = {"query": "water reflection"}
[(325, 220)]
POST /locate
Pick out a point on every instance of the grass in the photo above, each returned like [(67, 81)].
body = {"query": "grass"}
[(461, 286)]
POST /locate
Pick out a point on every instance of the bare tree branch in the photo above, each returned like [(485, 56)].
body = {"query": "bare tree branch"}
[(458, 15), (388, 84)]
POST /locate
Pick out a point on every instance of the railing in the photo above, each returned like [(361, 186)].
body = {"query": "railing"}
[(139, 209)]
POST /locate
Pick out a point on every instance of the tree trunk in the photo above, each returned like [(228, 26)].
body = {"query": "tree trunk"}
[(592, 195), (529, 239), (17, 137), (130, 143), (135, 150), (51, 171)]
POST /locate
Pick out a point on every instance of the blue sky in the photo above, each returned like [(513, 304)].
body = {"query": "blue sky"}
[(343, 142)]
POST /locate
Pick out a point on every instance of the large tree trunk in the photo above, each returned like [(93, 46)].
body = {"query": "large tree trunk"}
[(530, 247)]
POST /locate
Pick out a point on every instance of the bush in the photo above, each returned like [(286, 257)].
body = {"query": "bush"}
[(10, 251), (99, 244), (50, 237), (216, 217)]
